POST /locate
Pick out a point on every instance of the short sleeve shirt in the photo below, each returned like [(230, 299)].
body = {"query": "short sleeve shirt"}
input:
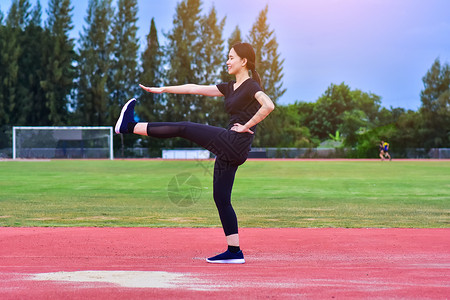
[(241, 103)]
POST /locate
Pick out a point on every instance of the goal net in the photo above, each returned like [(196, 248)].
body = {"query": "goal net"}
[(62, 142)]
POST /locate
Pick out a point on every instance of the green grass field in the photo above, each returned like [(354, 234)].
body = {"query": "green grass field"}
[(266, 194)]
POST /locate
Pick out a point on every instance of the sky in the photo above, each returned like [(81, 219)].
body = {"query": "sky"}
[(384, 47)]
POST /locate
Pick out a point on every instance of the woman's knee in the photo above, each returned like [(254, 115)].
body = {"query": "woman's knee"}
[(221, 199), (184, 123)]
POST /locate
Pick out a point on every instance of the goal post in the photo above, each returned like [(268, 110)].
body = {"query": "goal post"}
[(44, 142)]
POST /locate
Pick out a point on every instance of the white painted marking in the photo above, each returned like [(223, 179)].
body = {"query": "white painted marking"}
[(130, 279)]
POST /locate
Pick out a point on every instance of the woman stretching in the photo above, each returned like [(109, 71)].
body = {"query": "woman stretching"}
[(246, 104)]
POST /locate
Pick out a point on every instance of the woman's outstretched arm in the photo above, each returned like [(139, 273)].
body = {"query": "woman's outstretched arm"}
[(205, 90)]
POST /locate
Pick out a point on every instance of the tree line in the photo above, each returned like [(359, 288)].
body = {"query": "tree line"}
[(48, 78)]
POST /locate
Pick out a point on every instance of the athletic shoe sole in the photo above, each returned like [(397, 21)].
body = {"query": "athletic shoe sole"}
[(119, 122), (227, 261)]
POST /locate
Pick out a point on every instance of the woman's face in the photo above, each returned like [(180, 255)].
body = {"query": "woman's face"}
[(234, 63)]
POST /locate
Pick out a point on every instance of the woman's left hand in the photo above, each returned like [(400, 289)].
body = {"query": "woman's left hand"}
[(240, 128), (155, 90)]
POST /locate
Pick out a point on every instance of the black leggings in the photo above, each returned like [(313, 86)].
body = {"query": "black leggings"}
[(231, 149)]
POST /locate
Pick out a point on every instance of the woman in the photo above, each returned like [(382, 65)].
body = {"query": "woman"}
[(246, 104)]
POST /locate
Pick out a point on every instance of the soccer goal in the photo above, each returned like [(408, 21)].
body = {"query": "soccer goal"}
[(40, 142)]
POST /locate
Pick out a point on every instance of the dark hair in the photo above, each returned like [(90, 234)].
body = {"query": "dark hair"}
[(245, 50)]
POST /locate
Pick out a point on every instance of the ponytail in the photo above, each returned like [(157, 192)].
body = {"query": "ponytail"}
[(256, 77)]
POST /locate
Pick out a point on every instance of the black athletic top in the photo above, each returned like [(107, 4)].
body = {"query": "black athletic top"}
[(241, 103)]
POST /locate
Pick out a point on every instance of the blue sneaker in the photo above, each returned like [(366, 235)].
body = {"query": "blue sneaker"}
[(126, 117), (227, 258)]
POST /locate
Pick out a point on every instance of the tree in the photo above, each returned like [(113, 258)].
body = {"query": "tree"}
[(94, 65), (19, 14), (10, 86), (351, 112), (209, 69), (36, 15), (435, 109), (21, 43), (305, 111), (268, 61), (211, 56), (360, 116), (151, 106), (236, 37), (369, 104), (4, 134), (328, 110), (289, 131), (124, 72), (409, 125), (31, 62), (270, 68), (182, 54), (353, 123), (60, 60), (368, 142)]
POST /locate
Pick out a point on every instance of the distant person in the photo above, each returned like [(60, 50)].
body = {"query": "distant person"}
[(246, 104), (384, 150)]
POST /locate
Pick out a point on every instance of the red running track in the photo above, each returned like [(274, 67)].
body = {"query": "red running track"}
[(143, 263)]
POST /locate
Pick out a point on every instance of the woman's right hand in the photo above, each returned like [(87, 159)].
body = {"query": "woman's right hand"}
[(155, 90)]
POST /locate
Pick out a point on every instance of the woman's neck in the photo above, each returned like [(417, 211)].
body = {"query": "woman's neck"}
[(241, 77)]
